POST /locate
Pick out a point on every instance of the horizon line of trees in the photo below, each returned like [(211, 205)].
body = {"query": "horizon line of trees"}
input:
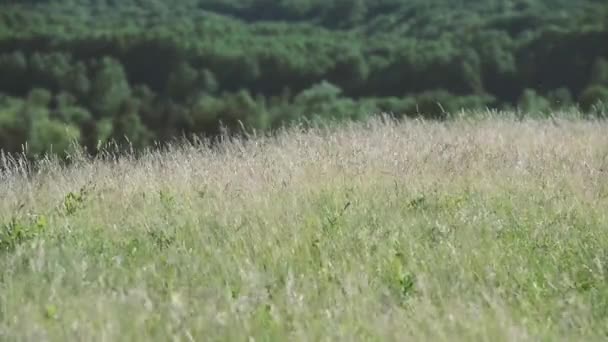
[(93, 71)]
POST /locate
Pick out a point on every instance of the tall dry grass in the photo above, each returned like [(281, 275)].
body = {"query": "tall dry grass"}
[(484, 229)]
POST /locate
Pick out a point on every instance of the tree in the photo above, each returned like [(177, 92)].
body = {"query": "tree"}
[(350, 70), (45, 134), (182, 81), (593, 96), (599, 72), (128, 127), (13, 71), (532, 103), (345, 13), (14, 126), (109, 89)]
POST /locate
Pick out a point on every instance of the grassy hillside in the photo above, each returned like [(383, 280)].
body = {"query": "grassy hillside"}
[(489, 229), (94, 70)]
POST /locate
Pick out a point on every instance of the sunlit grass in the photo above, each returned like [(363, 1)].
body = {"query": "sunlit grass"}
[(490, 229)]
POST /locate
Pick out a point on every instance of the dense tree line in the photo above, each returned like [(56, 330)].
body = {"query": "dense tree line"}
[(151, 70)]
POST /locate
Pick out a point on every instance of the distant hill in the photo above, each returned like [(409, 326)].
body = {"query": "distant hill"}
[(153, 70)]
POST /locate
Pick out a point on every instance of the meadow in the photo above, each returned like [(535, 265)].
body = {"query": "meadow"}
[(488, 228)]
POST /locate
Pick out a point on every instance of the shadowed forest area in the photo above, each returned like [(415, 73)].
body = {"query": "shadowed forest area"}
[(152, 70)]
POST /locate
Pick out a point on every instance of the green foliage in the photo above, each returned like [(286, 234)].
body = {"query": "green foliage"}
[(599, 72), (142, 71), (109, 88), (51, 136), (324, 101), (73, 202), (594, 97), (17, 231), (533, 103), (29, 126), (14, 126)]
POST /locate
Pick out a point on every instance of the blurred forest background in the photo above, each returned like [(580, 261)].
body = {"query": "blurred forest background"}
[(152, 70)]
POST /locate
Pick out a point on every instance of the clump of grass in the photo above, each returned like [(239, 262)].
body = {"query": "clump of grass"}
[(484, 229)]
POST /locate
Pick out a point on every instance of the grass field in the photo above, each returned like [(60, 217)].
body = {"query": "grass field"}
[(487, 229)]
